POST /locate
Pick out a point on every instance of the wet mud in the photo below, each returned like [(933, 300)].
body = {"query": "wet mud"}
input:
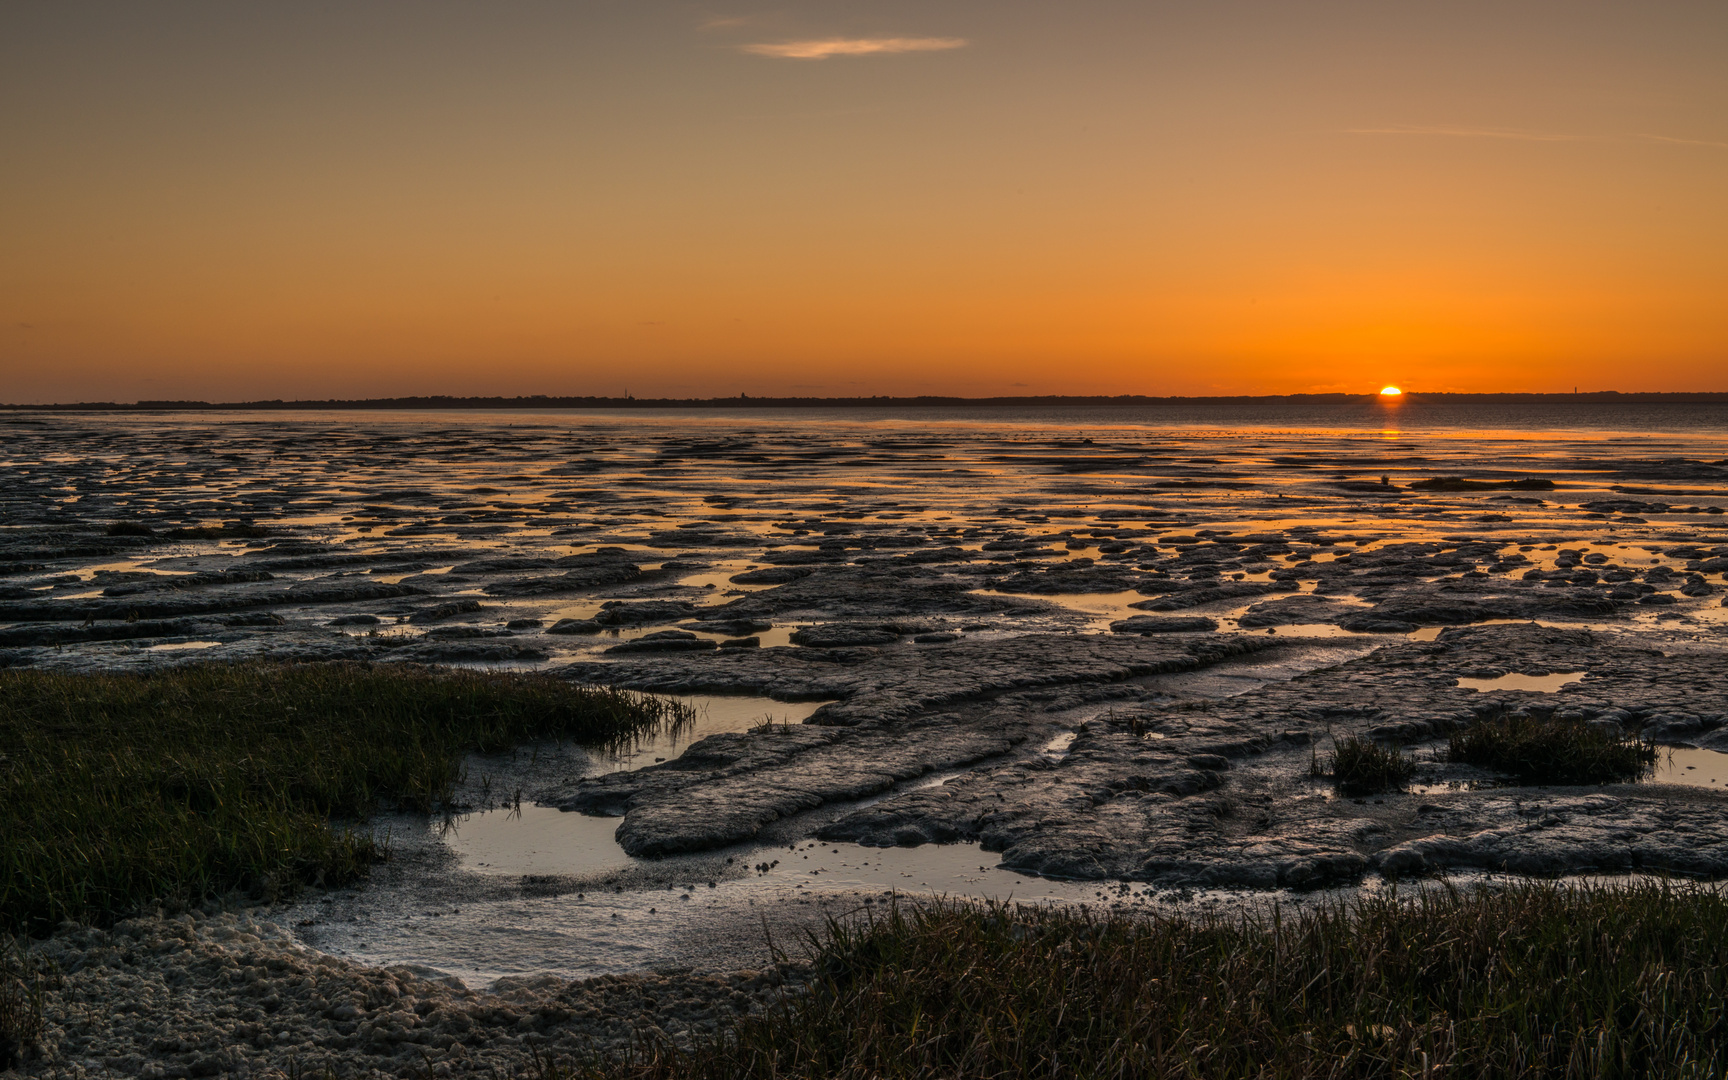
[(1092, 651)]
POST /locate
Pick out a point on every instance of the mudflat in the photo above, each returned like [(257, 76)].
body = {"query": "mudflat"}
[(1106, 654)]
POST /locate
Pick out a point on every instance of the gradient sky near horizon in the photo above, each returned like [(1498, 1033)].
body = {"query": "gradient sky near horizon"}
[(228, 200)]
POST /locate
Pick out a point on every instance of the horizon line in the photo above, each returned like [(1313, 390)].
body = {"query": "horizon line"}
[(579, 401)]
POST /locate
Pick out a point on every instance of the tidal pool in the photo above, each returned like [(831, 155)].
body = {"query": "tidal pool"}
[(1541, 684)]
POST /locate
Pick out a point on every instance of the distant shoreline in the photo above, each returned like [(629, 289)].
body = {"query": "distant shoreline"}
[(435, 402)]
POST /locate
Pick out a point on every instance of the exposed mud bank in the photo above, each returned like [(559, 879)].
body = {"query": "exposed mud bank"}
[(1114, 658), (1219, 792), (237, 995)]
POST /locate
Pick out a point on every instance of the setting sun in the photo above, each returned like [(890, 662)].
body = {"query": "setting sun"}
[(1391, 391)]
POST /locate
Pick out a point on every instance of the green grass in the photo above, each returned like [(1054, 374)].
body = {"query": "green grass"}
[(1533, 981), (119, 791), (1363, 767), (1552, 751)]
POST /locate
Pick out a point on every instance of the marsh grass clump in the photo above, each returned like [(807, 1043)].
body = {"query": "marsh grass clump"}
[(119, 790), (1363, 767), (1533, 981), (21, 985), (1550, 750)]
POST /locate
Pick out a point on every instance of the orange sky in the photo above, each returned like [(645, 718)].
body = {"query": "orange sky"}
[(969, 197)]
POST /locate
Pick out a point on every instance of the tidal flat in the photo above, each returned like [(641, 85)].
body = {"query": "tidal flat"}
[(1099, 660)]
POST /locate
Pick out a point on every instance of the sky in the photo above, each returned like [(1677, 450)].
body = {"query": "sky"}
[(229, 200)]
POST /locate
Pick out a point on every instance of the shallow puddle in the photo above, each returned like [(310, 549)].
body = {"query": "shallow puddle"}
[(1692, 767), (701, 910), (1057, 748), (711, 716), (535, 840), (1308, 630), (1541, 684), (718, 578), (1100, 609)]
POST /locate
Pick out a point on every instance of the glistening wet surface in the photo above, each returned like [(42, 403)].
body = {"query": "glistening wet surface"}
[(1692, 767), (527, 925), (446, 536), (524, 888), (1068, 656), (1537, 684), (710, 715)]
